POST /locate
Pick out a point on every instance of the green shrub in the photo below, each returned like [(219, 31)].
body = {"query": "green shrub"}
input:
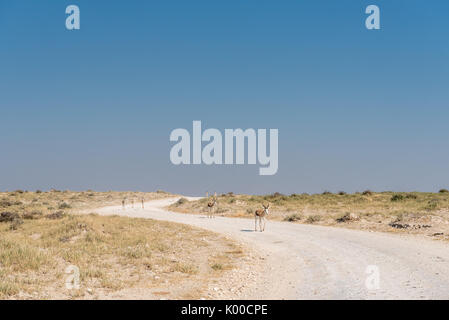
[(397, 197)]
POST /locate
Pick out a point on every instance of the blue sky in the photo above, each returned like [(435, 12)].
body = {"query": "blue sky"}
[(94, 108)]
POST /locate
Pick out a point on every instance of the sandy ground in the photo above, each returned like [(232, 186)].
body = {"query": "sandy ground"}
[(294, 261)]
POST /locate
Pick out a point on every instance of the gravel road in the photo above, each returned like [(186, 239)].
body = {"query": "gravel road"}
[(314, 262)]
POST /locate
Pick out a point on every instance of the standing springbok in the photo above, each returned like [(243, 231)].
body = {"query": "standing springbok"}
[(260, 214), (210, 205)]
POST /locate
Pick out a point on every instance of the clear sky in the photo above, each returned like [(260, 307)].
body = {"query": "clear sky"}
[(94, 108)]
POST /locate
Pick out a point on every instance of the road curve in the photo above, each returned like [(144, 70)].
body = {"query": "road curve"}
[(315, 262)]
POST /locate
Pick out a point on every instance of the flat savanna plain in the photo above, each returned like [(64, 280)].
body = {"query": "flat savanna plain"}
[(425, 214), (44, 233)]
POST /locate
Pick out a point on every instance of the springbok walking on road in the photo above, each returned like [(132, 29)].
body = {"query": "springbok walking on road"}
[(260, 214), (211, 204)]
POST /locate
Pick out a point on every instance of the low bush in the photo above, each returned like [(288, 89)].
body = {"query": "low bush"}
[(64, 206), (313, 219), (56, 215), (181, 201), (397, 197), (8, 216), (293, 217)]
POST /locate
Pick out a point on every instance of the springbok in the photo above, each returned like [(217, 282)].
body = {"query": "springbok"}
[(123, 204), (260, 214), (211, 204)]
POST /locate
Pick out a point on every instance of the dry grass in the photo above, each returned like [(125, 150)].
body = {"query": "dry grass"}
[(116, 256), (42, 203), (367, 210)]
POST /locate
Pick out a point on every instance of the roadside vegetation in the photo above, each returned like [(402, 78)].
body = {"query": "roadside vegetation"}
[(411, 212), (42, 235)]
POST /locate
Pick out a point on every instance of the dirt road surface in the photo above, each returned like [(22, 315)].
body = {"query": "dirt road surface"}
[(298, 261)]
